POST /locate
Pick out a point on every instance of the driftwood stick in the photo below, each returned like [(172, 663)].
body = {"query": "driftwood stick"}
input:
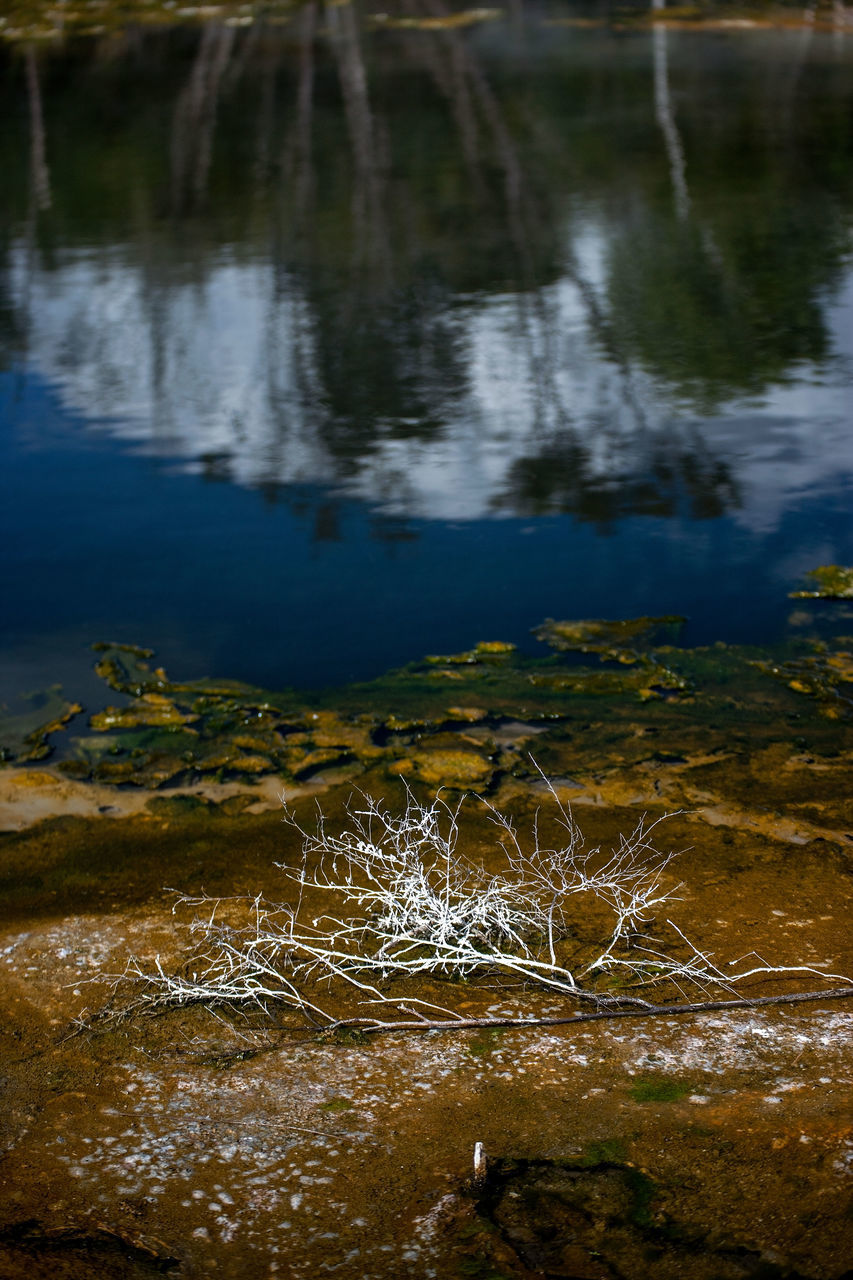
[(370, 1026)]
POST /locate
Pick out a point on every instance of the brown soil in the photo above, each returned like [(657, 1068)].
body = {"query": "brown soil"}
[(715, 1146)]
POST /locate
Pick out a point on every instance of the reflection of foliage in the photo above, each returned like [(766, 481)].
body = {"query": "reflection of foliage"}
[(387, 370), (11, 330), (396, 172), (666, 480), (715, 322)]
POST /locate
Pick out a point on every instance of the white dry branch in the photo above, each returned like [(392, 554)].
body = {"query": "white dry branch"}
[(392, 897)]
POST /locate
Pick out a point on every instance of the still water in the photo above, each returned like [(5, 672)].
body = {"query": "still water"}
[(329, 342)]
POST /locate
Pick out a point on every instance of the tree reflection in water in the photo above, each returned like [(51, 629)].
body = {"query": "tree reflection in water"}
[(453, 270)]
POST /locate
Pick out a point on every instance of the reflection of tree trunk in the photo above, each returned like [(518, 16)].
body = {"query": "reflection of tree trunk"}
[(450, 77), (39, 172), (39, 193), (304, 184), (195, 118), (666, 117), (266, 120), (155, 282), (371, 245), (523, 230), (803, 46), (469, 91), (516, 13), (297, 408)]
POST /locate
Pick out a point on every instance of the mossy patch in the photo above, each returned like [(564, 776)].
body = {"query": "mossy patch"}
[(660, 1089), (605, 1151), (484, 1042), (180, 806)]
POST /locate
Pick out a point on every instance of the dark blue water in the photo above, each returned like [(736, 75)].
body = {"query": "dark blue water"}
[(584, 351)]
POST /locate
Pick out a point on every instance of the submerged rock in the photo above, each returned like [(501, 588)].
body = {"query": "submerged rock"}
[(824, 674), (24, 735)]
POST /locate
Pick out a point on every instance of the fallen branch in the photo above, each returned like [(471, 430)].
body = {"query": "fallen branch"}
[(371, 1026), (392, 898)]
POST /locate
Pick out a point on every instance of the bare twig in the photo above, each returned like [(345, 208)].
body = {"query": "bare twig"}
[(395, 899)]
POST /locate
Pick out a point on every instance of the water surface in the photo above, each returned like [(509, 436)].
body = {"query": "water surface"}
[(328, 343)]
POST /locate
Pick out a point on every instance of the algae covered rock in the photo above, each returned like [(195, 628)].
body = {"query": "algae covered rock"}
[(829, 582), (619, 639), (153, 710), (648, 679), (484, 651), (450, 765)]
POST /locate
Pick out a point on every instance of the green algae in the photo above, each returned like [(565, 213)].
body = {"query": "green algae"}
[(606, 1151), (829, 582), (646, 704), (485, 1042), (652, 680), (36, 20), (660, 1089), (626, 643), (180, 806)]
